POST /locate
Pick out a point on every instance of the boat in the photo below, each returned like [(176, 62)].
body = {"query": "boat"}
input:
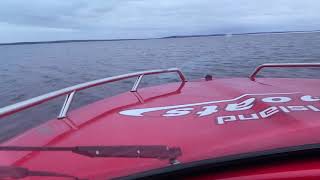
[(211, 128)]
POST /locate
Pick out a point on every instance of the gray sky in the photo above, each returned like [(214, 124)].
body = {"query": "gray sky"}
[(41, 20)]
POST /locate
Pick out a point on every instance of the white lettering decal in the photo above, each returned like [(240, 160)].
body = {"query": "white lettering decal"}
[(208, 110), (297, 108), (251, 117), (178, 112), (276, 99), (139, 112), (284, 109), (313, 108), (269, 112), (310, 98), (222, 119), (231, 105), (244, 105)]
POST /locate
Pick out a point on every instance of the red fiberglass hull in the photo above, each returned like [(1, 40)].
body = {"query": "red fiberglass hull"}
[(206, 119)]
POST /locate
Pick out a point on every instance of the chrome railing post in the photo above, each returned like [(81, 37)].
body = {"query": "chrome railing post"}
[(182, 77), (180, 74), (66, 105), (136, 84)]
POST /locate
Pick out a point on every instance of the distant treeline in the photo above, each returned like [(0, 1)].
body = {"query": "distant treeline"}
[(228, 34), (168, 37)]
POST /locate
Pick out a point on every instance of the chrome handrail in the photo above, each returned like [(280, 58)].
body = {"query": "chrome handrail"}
[(281, 65), (70, 91)]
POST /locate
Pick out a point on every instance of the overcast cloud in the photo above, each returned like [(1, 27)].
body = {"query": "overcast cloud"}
[(41, 20)]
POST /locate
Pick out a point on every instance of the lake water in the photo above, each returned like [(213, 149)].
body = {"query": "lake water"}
[(27, 71)]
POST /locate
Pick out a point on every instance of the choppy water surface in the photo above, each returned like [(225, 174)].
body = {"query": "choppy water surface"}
[(31, 70)]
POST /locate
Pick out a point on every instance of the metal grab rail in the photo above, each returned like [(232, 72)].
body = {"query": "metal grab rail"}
[(281, 65), (70, 91)]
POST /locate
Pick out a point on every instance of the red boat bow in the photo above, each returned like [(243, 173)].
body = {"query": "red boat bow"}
[(206, 119)]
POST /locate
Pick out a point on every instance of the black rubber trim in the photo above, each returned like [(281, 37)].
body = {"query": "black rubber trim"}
[(239, 160)]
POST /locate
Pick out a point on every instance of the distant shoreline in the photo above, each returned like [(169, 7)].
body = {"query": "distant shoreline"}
[(167, 37)]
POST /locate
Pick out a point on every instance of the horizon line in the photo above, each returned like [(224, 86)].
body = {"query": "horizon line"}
[(165, 37)]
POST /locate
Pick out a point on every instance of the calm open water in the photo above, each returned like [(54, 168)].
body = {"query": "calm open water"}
[(31, 70)]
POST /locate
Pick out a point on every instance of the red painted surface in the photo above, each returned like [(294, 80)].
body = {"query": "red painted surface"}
[(199, 137)]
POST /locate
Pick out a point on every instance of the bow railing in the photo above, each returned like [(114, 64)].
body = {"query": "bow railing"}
[(70, 91), (282, 65)]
